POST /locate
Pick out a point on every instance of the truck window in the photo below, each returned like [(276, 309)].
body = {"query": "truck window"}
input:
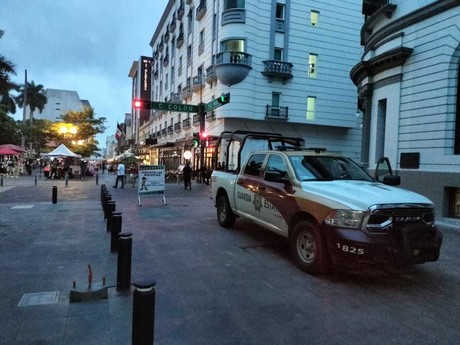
[(254, 165), (276, 164)]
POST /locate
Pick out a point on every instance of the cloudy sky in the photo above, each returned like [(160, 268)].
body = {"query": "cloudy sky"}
[(81, 45)]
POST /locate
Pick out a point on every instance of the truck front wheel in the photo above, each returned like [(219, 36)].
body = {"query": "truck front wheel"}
[(225, 215), (308, 248)]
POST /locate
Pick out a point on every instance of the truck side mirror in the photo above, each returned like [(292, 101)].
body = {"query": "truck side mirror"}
[(384, 173), (274, 176), (392, 180)]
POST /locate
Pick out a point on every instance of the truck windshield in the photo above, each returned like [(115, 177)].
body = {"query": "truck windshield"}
[(327, 168)]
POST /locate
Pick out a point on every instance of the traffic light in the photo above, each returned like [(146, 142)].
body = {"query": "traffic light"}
[(204, 139), (196, 140), (224, 98), (141, 104)]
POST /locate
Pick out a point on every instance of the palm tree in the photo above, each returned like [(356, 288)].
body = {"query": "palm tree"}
[(36, 97), (7, 104)]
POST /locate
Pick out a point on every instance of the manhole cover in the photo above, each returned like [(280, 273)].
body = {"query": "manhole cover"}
[(39, 298)]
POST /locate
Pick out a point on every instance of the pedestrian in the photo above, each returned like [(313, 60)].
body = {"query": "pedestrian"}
[(120, 175), (54, 166), (204, 174), (187, 171)]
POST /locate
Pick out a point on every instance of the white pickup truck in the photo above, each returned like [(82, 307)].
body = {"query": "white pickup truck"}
[(331, 210)]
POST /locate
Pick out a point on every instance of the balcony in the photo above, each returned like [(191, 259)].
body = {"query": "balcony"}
[(211, 74), (166, 60), (163, 131), (232, 67), (180, 11), (170, 129), (186, 123), (200, 10), (196, 119), (155, 75), (197, 83), (161, 47), (176, 97), (187, 92), (277, 69), (276, 113), (210, 115), (158, 135), (188, 2), (177, 126), (172, 25), (166, 36), (180, 40)]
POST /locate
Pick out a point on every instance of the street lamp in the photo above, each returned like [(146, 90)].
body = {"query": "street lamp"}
[(67, 130)]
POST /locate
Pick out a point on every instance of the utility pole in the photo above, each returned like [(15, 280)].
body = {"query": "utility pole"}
[(24, 112)]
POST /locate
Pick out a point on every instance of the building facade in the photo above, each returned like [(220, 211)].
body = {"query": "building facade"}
[(60, 102), (285, 64), (409, 94)]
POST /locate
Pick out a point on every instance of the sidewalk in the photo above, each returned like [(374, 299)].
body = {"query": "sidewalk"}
[(45, 247)]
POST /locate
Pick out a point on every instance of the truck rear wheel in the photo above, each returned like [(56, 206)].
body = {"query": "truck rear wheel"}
[(308, 248), (225, 215)]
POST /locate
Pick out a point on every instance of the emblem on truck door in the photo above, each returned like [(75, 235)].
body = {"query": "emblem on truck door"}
[(257, 202)]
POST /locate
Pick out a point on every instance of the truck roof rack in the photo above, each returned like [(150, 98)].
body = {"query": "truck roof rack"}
[(274, 141)]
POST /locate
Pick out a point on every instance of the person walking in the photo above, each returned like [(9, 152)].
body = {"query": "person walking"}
[(120, 175), (187, 171), (204, 174)]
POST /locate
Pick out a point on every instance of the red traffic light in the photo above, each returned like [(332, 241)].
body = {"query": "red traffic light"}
[(203, 135), (140, 104)]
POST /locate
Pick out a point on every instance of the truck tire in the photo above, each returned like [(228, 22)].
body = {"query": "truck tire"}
[(225, 215), (308, 248)]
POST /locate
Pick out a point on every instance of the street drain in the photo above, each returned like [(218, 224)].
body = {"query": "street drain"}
[(39, 298)]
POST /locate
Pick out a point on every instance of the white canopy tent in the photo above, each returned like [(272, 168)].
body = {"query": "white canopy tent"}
[(61, 151)]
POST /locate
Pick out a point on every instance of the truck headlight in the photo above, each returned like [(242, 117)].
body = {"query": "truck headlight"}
[(348, 219)]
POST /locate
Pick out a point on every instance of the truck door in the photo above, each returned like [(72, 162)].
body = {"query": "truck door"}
[(278, 203), (247, 185)]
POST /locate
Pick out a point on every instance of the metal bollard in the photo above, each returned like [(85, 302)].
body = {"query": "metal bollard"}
[(143, 313), (125, 244), (1, 180), (97, 179), (110, 209), (108, 198), (115, 231), (103, 191), (35, 180), (54, 197), (66, 179)]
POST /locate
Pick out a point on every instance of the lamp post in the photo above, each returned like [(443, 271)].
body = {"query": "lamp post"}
[(67, 131)]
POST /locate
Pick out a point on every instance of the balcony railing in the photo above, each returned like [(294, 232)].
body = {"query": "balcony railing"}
[(210, 115), (187, 92), (196, 119), (163, 131), (170, 129), (186, 123), (180, 11), (180, 40), (166, 60), (275, 68), (188, 2), (232, 67), (158, 135), (278, 113), (200, 10), (176, 97), (211, 74), (197, 83), (177, 126)]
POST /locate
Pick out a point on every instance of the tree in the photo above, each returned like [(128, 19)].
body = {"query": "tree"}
[(7, 69), (36, 97), (87, 126), (9, 129)]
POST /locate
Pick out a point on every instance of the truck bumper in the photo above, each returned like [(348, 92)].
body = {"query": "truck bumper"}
[(408, 245)]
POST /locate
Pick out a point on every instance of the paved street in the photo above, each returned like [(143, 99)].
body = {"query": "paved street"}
[(213, 285)]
